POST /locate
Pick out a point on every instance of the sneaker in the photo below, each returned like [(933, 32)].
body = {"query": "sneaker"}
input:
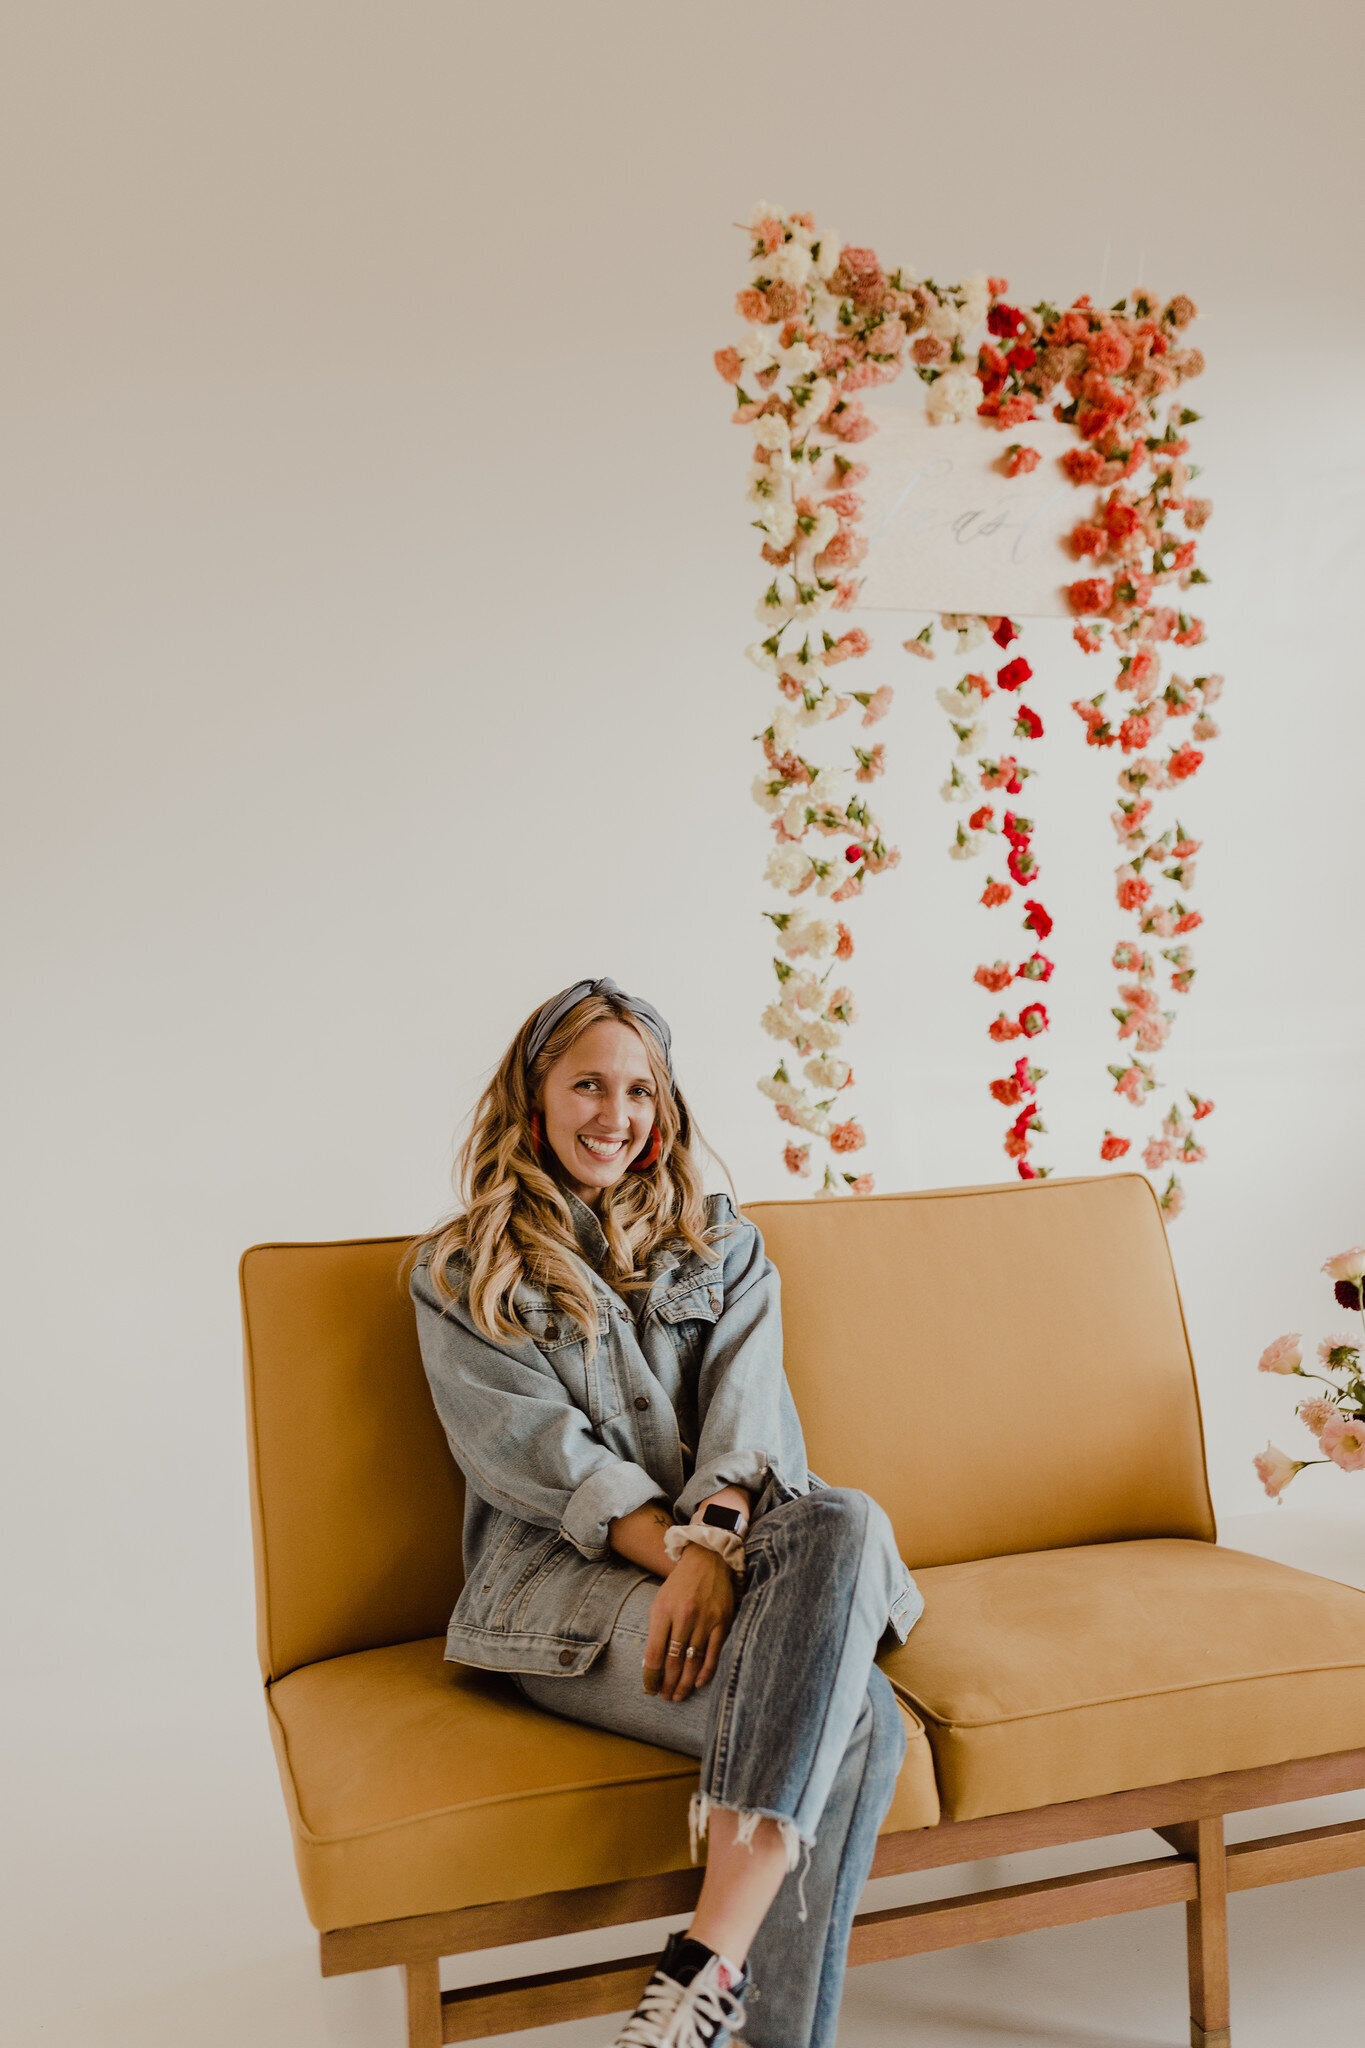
[(695, 1999)]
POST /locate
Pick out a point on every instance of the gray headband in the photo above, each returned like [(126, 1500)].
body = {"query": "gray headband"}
[(559, 1006)]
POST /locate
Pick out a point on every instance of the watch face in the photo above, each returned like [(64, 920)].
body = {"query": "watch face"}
[(721, 1518)]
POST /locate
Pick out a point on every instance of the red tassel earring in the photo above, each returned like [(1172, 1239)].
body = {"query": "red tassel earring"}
[(650, 1156), (537, 1132)]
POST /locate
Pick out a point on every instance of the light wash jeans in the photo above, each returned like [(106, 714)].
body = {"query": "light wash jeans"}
[(797, 1725)]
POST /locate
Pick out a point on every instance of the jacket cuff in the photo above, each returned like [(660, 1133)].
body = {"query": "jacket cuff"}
[(748, 1469), (609, 1492)]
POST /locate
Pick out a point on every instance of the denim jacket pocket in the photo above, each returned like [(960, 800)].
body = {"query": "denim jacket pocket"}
[(590, 1382), (691, 1308)]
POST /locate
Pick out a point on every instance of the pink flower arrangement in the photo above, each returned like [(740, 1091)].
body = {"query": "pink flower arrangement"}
[(1336, 1416)]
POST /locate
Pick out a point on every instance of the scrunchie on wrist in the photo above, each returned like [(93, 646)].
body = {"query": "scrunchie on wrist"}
[(724, 1542)]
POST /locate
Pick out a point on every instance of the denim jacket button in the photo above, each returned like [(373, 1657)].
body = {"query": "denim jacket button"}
[(566, 1656), (642, 1400)]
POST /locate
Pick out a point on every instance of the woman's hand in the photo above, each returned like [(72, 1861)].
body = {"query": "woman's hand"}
[(692, 1611)]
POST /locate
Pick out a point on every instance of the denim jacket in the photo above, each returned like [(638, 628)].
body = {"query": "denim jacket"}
[(684, 1394)]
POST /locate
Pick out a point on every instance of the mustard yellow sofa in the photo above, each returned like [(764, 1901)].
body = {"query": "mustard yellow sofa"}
[(1089, 1662)]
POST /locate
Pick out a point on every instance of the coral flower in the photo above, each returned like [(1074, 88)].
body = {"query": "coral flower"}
[(844, 949), (1183, 762), (995, 892), (1008, 1092), (1275, 1470), (995, 978), (849, 1137), (796, 1158), (878, 704), (1004, 1028), (1155, 1153), (1020, 460), (1091, 594), (1112, 1147), (863, 1185)]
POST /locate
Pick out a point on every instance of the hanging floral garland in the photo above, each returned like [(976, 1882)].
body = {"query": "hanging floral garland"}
[(825, 323)]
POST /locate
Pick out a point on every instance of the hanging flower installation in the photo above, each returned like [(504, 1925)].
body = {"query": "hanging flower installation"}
[(824, 324)]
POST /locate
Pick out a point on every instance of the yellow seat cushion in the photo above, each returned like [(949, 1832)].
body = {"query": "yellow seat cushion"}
[(1062, 1674), (417, 1786)]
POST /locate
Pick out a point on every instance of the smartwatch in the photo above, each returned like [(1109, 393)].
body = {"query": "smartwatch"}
[(725, 1518)]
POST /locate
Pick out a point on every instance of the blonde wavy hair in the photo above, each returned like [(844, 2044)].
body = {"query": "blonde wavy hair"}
[(516, 1224)]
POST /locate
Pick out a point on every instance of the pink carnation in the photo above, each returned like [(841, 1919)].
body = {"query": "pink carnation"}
[(878, 704), (796, 1158), (849, 1137), (1316, 1412), (863, 1185), (1156, 1152)]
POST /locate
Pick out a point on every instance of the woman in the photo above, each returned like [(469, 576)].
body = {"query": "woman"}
[(644, 1547)]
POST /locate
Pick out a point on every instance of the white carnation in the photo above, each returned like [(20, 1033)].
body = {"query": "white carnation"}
[(816, 1121), (797, 362), (764, 484), (756, 351), (955, 396), (794, 816), (955, 792), (824, 707), (770, 430), (975, 738), (827, 785), (768, 799), (784, 723), (953, 702), (778, 520), (804, 992), (816, 935), (820, 1033), (782, 1091), (791, 263), (965, 849), (827, 1073), (825, 527), (762, 657), (828, 259), (778, 1023), (787, 868), (976, 299), (813, 406)]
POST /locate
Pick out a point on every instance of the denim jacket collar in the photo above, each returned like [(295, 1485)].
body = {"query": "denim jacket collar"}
[(588, 1231)]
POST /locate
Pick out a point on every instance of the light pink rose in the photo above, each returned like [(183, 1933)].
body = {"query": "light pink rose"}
[(1275, 1470), (1157, 1152), (1346, 1265), (1284, 1355), (1344, 1442)]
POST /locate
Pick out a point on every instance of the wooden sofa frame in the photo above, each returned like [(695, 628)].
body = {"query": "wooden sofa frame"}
[(1188, 1815)]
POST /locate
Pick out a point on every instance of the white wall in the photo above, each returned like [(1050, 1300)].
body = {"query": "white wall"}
[(378, 577)]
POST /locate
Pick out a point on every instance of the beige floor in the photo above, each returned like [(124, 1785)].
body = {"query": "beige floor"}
[(150, 1901)]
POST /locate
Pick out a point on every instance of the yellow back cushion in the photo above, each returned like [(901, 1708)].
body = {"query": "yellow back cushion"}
[(1004, 1368)]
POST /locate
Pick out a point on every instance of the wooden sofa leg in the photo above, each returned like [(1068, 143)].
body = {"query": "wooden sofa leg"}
[(424, 2004), (1206, 1931)]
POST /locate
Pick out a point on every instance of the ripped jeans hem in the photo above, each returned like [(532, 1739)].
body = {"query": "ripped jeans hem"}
[(702, 1806)]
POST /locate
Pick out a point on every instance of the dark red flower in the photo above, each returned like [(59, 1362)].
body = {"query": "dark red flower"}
[(853, 853), (1014, 674), (1347, 1292), (1028, 725), (1003, 631), (1006, 321), (1037, 919)]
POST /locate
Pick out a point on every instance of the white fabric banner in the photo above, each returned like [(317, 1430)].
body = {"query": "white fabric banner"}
[(950, 533)]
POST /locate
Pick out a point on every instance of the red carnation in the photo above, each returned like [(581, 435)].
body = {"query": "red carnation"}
[(1037, 920), (1026, 1172), (1007, 1092), (1036, 968), (1132, 892), (1032, 1020), (1014, 674), (995, 978), (1003, 631), (1183, 762), (996, 892), (1022, 865), (1004, 1028), (1112, 1147), (1082, 465), (1007, 321), (981, 817), (1029, 725)]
